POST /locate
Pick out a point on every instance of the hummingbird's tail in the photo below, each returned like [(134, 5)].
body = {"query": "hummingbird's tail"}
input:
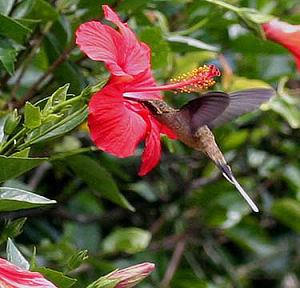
[(227, 173)]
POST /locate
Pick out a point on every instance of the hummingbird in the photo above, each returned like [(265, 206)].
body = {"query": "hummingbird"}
[(193, 122)]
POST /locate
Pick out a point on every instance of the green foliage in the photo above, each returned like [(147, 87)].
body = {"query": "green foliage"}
[(13, 229), (129, 240), (183, 216), (103, 282), (32, 116), (14, 199), (56, 277), (11, 167), (7, 56), (97, 178), (15, 256)]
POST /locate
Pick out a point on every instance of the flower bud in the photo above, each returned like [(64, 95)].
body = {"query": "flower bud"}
[(133, 275)]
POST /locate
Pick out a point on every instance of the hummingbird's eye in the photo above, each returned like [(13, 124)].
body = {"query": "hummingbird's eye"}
[(154, 109)]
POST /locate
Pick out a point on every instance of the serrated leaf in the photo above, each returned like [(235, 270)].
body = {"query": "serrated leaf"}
[(12, 199), (287, 211), (57, 97), (8, 56), (58, 278), (97, 178), (12, 229), (12, 29), (12, 167), (32, 116), (129, 240), (15, 257)]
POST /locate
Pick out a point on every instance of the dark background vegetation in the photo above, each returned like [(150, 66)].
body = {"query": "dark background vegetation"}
[(189, 221)]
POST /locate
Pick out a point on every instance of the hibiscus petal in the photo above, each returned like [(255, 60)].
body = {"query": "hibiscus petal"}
[(13, 276), (137, 54), (151, 155), (144, 79), (286, 34), (122, 53), (115, 127), (100, 42), (167, 131)]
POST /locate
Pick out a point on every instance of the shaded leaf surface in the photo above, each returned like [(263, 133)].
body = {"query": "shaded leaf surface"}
[(15, 199)]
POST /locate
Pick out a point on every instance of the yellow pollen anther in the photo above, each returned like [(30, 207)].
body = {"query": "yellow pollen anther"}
[(202, 77)]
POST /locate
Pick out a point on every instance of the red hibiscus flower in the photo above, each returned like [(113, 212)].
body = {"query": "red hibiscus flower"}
[(117, 125), (12, 276), (285, 34)]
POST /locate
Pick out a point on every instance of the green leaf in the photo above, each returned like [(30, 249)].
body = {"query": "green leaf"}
[(159, 47), (129, 240), (240, 83), (12, 122), (8, 56), (57, 97), (14, 256), (12, 229), (12, 199), (2, 125), (5, 6), (192, 42), (57, 128), (36, 9), (12, 29), (287, 211), (250, 17), (250, 235), (236, 139), (103, 282), (22, 154), (97, 178), (77, 259), (58, 278), (32, 116), (288, 111), (12, 167)]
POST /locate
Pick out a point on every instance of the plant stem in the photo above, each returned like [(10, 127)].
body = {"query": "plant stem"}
[(67, 102), (10, 141), (224, 5), (190, 30)]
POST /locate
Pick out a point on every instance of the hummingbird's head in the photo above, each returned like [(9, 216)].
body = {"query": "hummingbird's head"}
[(157, 106)]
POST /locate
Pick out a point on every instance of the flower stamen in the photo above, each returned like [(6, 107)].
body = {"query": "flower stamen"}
[(194, 81), (198, 79)]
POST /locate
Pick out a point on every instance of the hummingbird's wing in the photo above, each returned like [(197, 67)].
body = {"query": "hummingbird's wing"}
[(203, 110), (242, 102)]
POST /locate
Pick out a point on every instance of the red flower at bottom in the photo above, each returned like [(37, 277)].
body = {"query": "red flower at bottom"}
[(117, 125), (12, 276), (286, 34)]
